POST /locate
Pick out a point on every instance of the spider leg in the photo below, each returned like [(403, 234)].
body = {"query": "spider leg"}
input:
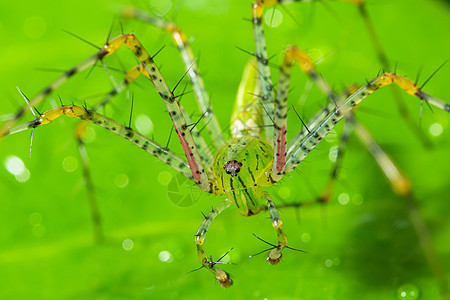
[(263, 62), (182, 129), (180, 39), (299, 151), (292, 54), (401, 185), (95, 211), (130, 76), (307, 66), (275, 254), (152, 147), (80, 132), (349, 125), (382, 57), (51, 87), (222, 277), (280, 117), (263, 66)]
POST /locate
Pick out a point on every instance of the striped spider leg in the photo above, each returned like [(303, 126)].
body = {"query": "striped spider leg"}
[(196, 166)]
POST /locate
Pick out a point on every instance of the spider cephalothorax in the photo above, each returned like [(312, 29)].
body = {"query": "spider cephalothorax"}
[(240, 168)]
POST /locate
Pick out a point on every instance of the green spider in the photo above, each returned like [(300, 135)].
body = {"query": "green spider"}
[(258, 155)]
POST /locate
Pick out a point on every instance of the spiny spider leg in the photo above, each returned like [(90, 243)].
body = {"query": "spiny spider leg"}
[(222, 277), (95, 211), (298, 152), (280, 117), (180, 39), (152, 147), (292, 54), (263, 66), (262, 58), (401, 185), (318, 117), (307, 66), (275, 254), (266, 242), (131, 75), (182, 129), (216, 262), (54, 85), (345, 136), (382, 57), (80, 132)]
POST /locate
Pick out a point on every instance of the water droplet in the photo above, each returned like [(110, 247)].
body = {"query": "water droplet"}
[(127, 244), (328, 263), (336, 261), (89, 135), (226, 258), (38, 230), (164, 177), (317, 56), (331, 136), (121, 180), (333, 153), (14, 165), (435, 129), (161, 7), (408, 291), (35, 219), (284, 192), (357, 199), (143, 124), (343, 199), (273, 17), (24, 176), (34, 27), (70, 164), (208, 7), (165, 256), (306, 237)]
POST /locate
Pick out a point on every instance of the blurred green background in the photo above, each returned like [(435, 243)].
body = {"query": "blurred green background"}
[(361, 246)]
